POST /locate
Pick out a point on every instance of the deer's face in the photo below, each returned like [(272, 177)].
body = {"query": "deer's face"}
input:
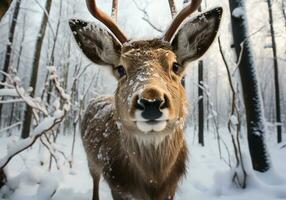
[(150, 97)]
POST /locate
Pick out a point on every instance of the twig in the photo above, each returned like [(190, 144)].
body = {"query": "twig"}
[(79, 73), (48, 17), (11, 126), (52, 153), (77, 119), (26, 143), (30, 101), (219, 139), (146, 17), (234, 111), (45, 126)]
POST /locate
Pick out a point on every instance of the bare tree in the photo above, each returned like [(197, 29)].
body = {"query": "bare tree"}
[(201, 100), (36, 62), (276, 74), (9, 46), (201, 103), (251, 93)]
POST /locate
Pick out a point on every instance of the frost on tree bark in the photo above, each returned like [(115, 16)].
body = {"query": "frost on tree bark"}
[(36, 62), (201, 99), (201, 103), (251, 94), (9, 46), (4, 6), (276, 74)]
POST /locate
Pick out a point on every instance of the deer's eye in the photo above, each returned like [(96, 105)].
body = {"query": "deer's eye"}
[(120, 71), (176, 67)]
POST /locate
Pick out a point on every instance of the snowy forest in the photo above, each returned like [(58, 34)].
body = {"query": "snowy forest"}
[(235, 122)]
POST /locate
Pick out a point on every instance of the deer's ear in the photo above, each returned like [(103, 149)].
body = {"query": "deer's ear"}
[(196, 35), (96, 43)]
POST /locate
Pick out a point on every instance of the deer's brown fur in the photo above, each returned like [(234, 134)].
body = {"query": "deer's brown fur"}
[(131, 167), (135, 139)]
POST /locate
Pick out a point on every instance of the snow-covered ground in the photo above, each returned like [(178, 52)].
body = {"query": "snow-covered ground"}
[(208, 178)]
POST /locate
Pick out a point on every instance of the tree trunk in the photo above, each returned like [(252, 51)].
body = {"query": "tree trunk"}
[(9, 47), (13, 109), (283, 7), (52, 58), (4, 6), (251, 94), (33, 81), (2, 178), (173, 9), (201, 103), (276, 74), (114, 10)]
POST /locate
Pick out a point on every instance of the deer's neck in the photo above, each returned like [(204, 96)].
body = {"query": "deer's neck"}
[(154, 160)]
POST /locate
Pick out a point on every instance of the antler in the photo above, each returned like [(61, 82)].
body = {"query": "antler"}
[(107, 20), (189, 9)]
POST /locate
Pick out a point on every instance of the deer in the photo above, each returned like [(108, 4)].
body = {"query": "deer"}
[(135, 138)]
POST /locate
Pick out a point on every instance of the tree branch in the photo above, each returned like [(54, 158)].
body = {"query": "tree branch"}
[(46, 125)]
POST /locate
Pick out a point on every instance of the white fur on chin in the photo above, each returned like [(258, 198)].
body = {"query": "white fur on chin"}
[(145, 127)]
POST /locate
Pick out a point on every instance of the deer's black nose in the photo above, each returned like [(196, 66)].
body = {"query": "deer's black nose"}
[(151, 108)]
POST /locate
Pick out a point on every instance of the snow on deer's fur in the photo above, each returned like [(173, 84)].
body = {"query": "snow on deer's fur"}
[(135, 139)]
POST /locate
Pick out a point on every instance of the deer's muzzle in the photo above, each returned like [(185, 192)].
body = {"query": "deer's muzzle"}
[(151, 110)]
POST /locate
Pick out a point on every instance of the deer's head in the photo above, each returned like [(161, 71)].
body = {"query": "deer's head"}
[(150, 98)]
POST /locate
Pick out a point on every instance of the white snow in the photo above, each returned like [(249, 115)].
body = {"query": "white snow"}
[(208, 177), (238, 12), (44, 125), (233, 119)]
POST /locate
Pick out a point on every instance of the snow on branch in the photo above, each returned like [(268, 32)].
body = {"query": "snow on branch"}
[(11, 126), (21, 93), (47, 124), (238, 12), (8, 92)]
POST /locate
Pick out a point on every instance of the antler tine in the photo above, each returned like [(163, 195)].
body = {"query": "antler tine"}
[(107, 20), (189, 9)]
